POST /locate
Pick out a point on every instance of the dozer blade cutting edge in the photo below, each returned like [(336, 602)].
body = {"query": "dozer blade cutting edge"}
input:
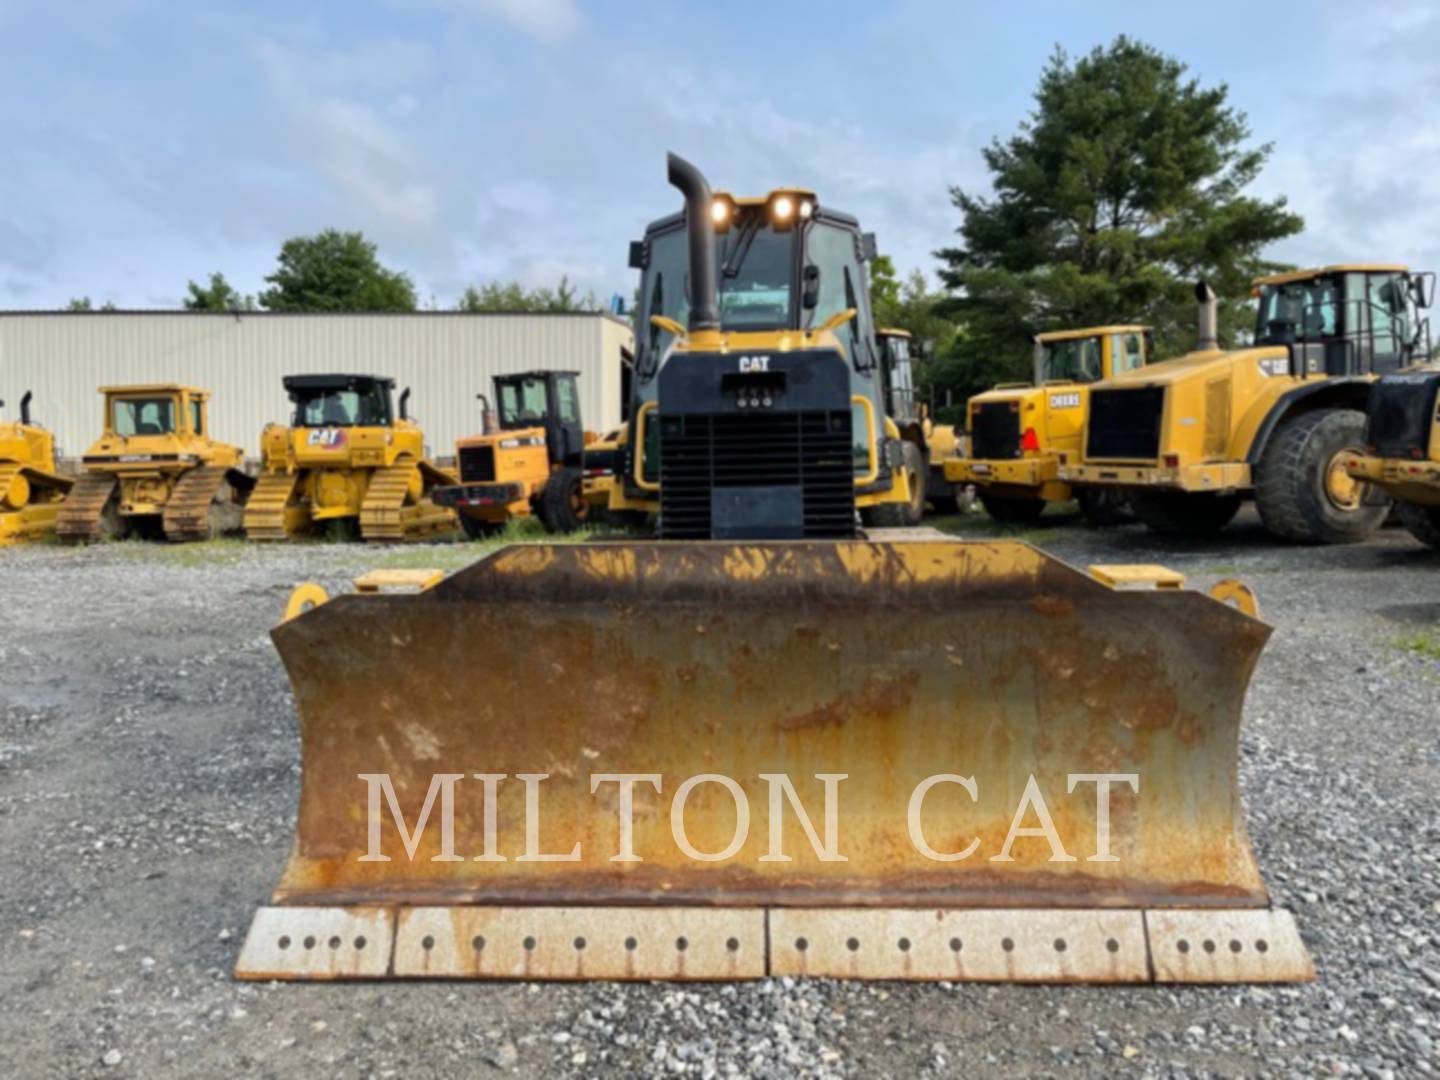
[(933, 760)]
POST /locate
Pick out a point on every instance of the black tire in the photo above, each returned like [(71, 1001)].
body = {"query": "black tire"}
[(942, 495), (478, 529), (1185, 513), (1422, 521), (1103, 507), (563, 508), (1294, 489), (1012, 509), (906, 515)]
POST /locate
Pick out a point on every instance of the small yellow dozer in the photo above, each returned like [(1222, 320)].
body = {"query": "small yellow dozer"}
[(346, 464), (155, 472), (530, 459), (30, 488), (1402, 448), (725, 758), (1022, 433)]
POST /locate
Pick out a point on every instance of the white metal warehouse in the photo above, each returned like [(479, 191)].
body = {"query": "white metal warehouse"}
[(446, 358)]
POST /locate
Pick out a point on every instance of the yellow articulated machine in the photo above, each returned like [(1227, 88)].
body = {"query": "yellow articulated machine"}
[(30, 488), (155, 472), (531, 458), (1190, 438), (1021, 433), (346, 465), (1402, 448), (936, 443), (753, 755)]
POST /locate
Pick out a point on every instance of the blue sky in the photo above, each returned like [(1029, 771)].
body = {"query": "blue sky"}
[(149, 142)]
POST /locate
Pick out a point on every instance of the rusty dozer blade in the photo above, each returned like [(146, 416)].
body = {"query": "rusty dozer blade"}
[(854, 755)]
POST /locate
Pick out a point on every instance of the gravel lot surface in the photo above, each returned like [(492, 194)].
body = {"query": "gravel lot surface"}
[(149, 768)]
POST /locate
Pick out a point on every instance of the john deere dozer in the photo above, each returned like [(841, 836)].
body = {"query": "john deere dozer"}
[(155, 472), (726, 759), (346, 463), (30, 488)]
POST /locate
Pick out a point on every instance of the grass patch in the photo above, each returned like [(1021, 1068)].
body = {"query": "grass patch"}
[(453, 556), (200, 554), (1422, 643), (981, 526)]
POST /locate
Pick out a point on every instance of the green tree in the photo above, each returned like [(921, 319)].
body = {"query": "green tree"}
[(1121, 189), (219, 295), (335, 271), (884, 290), (498, 296), (83, 303)]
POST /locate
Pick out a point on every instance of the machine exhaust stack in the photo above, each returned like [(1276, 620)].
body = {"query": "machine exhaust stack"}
[(405, 404), (1209, 334), (704, 306), (489, 419), (25, 407)]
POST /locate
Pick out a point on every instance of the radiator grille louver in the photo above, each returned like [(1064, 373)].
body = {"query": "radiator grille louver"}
[(995, 431), (477, 464), (809, 450), (1402, 409), (1125, 424)]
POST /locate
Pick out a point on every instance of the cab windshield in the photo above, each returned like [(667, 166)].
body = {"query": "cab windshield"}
[(343, 408), (143, 416), (754, 273), (1073, 360), (523, 402), (1310, 308)]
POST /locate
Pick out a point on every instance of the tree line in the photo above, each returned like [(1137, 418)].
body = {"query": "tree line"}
[(1124, 185)]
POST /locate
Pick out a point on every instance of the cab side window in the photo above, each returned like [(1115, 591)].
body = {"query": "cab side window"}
[(1129, 352), (197, 419), (568, 405)]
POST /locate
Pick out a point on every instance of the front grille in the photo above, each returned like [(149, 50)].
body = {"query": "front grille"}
[(1402, 408), (808, 451), (477, 464), (1125, 424), (995, 430)]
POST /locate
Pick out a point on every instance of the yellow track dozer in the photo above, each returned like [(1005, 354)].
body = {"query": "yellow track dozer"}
[(155, 472), (30, 488), (346, 464), (733, 757)]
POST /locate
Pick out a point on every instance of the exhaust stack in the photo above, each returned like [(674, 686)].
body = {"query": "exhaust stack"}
[(489, 418), (25, 407), (1208, 331), (704, 305), (405, 404)]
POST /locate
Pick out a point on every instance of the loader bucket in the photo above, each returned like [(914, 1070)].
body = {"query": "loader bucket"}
[(926, 759)]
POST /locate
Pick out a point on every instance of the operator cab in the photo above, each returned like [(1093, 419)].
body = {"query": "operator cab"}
[(545, 399), (898, 375), (1088, 356), (135, 411), (1345, 320), (324, 401)]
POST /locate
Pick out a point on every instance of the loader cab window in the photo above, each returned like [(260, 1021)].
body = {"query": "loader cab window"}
[(1129, 352), (1074, 360), (143, 416), (523, 403), (1307, 310), (343, 408), (1387, 303)]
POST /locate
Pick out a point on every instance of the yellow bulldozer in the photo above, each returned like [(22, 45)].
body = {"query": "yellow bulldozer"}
[(155, 473), (346, 465), (1402, 448), (748, 756), (1190, 438), (530, 459), (31, 489), (1021, 433)]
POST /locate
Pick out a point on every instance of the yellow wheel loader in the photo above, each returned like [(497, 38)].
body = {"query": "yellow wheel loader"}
[(1402, 448), (531, 459), (738, 757), (1190, 438), (347, 464), (1021, 433), (935, 443), (155, 472), (30, 489)]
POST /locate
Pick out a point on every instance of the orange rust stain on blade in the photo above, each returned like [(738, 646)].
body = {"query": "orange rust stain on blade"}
[(882, 694)]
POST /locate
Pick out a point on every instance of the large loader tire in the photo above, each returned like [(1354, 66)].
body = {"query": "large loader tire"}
[(1103, 507), (906, 515), (1422, 521), (563, 508), (1184, 513), (1012, 510), (1302, 492)]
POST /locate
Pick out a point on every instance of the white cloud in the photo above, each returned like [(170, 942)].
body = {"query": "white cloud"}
[(545, 20)]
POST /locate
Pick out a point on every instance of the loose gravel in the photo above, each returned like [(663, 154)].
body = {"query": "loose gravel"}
[(149, 767)]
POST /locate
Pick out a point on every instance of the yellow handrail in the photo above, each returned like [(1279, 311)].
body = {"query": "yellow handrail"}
[(873, 473), (639, 477)]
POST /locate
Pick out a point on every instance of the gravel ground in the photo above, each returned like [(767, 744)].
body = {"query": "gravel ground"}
[(149, 773)]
